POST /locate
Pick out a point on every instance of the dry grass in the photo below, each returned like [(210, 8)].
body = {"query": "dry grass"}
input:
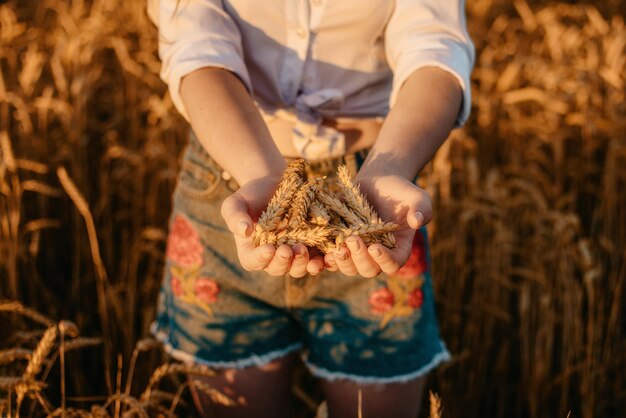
[(528, 241)]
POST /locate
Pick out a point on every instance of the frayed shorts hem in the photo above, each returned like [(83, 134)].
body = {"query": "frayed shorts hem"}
[(252, 360), (329, 375)]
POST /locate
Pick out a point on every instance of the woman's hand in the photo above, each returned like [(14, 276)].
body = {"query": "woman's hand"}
[(240, 210), (397, 200)]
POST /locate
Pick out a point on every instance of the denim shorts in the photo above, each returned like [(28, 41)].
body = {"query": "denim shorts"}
[(213, 312)]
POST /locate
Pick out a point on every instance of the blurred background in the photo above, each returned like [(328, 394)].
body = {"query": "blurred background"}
[(528, 241)]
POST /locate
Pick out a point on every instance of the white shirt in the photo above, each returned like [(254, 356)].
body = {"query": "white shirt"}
[(315, 58)]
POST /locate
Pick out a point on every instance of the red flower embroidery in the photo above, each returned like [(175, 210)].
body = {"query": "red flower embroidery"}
[(415, 298), (183, 243), (177, 286), (381, 300), (206, 289), (416, 264)]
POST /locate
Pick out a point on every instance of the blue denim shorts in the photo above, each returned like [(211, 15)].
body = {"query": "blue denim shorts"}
[(213, 312)]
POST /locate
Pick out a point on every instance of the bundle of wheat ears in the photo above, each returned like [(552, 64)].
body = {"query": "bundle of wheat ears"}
[(304, 210)]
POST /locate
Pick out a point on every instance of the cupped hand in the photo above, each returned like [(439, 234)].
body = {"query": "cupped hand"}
[(398, 200), (240, 210)]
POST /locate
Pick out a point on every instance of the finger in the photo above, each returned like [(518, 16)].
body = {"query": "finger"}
[(281, 262), (300, 260), (315, 265), (316, 262), (344, 262), (363, 261), (235, 212), (384, 258), (329, 262), (420, 211), (253, 258)]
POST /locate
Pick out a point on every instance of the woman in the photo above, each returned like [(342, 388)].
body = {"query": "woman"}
[(375, 84)]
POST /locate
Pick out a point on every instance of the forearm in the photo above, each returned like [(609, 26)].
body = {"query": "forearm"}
[(420, 121), (229, 125)]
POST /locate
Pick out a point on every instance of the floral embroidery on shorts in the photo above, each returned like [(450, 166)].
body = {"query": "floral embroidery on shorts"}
[(184, 251), (403, 293), (206, 289), (401, 297), (381, 301)]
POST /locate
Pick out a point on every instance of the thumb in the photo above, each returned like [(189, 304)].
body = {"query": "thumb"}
[(235, 213), (420, 211)]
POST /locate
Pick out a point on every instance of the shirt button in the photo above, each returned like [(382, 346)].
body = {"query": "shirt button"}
[(301, 32)]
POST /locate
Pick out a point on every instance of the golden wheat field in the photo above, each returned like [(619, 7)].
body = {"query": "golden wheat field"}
[(528, 240)]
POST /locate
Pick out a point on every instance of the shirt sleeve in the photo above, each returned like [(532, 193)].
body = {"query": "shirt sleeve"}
[(194, 34), (423, 33)]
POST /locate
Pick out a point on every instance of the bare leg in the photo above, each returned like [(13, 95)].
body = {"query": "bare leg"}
[(398, 400), (260, 391)]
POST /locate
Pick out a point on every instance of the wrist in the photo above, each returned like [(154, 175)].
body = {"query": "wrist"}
[(265, 171), (372, 170)]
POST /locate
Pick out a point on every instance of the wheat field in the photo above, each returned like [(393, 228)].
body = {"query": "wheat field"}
[(528, 240)]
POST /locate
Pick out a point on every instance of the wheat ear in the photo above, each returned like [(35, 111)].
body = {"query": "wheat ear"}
[(290, 181), (358, 202), (368, 233), (302, 201), (41, 351), (307, 236), (337, 206), (354, 198)]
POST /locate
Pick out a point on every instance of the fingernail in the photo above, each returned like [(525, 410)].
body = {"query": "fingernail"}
[(419, 216), (298, 251), (284, 257), (376, 252), (352, 242), (342, 255)]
